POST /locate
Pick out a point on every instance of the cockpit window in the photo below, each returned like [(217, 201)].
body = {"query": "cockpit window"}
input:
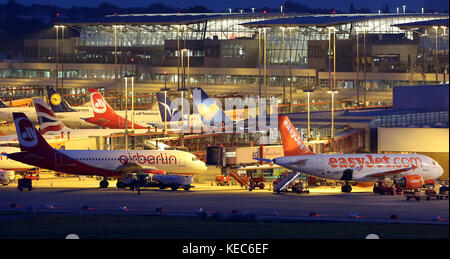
[(434, 163), (194, 158)]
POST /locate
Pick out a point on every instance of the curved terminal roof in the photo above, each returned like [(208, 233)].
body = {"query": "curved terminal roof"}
[(330, 20), (424, 24), (162, 19)]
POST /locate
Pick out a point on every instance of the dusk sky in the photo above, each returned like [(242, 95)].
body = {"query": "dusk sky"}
[(223, 5)]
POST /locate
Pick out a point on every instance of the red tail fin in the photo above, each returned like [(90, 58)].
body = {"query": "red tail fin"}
[(292, 142), (29, 138), (99, 106)]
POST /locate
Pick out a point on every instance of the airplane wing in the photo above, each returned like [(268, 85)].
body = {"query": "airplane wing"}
[(263, 159), (386, 173)]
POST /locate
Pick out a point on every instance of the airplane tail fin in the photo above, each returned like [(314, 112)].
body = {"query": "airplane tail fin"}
[(57, 102), (99, 105), (30, 139), (293, 144), (49, 123), (208, 109), (164, 107)]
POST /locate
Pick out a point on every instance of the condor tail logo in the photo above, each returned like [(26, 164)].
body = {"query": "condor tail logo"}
[(98, 103), (292, 142), (164, 107)]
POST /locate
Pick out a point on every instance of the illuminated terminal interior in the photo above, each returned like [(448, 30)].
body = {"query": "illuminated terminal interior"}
[(296, 47)]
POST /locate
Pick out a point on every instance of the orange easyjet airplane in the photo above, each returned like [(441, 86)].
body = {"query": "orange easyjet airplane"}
[(407, 170)]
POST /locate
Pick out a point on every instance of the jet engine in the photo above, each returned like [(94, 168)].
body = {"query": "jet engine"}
[(410, 182)]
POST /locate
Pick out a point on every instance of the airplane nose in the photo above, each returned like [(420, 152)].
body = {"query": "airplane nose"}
[(203, 167)]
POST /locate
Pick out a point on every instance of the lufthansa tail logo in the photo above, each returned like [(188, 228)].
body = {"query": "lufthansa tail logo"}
[(27, 134), (55, 99)]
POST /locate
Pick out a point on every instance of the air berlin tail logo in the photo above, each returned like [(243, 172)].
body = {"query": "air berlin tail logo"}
[(98, 104), (27, 135)]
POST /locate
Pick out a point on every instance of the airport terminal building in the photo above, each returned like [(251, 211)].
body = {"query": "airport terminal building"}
[(278, 53)]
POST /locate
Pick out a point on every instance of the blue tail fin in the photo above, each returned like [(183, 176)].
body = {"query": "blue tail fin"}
[(164, 107), (57, 102), (210, 112)]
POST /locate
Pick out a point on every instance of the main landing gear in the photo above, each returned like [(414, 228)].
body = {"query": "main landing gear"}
[(346, 188), (104, 183)]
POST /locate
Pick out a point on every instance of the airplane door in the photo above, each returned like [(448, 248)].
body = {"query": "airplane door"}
[(182, 162), (318, 164)]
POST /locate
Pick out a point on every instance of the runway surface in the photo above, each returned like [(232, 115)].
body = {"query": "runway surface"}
[(327, 203)]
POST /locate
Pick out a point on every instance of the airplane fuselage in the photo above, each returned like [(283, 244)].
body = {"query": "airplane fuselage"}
[(361, 167), (105, 162)]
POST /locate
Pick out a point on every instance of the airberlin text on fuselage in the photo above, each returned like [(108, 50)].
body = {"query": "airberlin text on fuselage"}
[(150, 159), (370, 161)]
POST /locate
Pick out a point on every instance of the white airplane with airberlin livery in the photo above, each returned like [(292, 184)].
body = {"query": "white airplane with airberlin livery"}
[(106, 163), (408, 171)]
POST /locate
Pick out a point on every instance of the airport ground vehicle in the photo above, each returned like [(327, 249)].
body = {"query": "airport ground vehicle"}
[(222, 180), (443, 192), (160, 181), (6, 177), (257, 182), (25, 183), (386, 189), (297, 185), (419, 194)]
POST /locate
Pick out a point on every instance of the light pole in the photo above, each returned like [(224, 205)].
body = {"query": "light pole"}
[(56, 56), (132, 104), (436, 64), (365, 62), (290, 70), (62, 59), (357, 66), (329, 56), (165, 102), (265, 62), (259, 64), (309, 91), (115, 48), (332, 116), (126, 112), (444, 28)]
